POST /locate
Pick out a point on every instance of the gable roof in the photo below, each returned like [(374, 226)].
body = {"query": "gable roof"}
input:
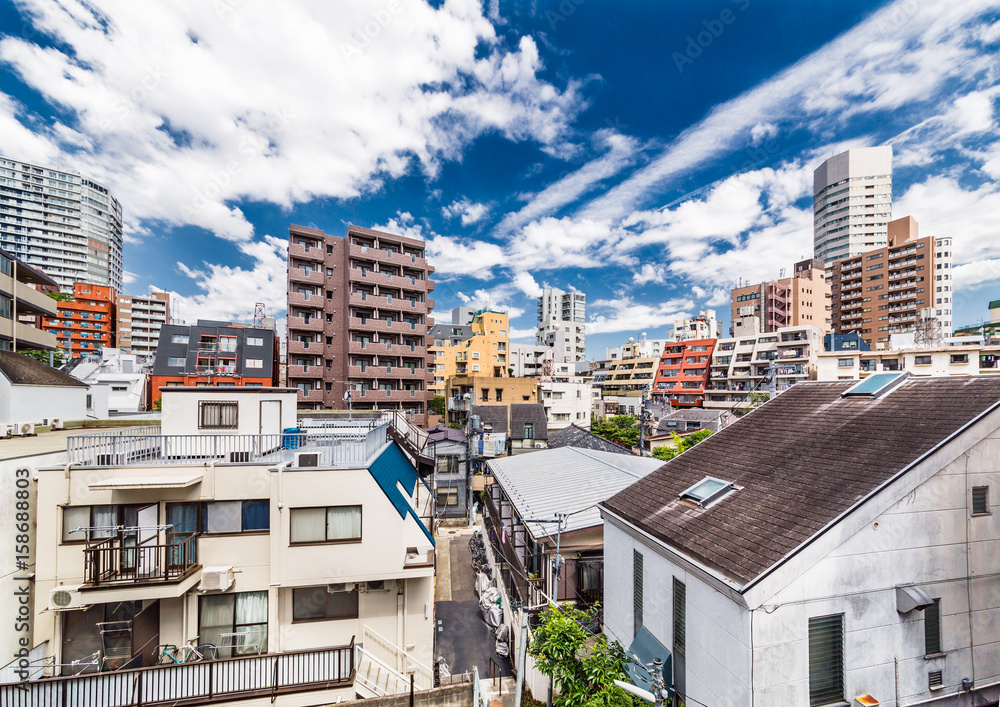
[(532, 413), (799, 462), (391, 470), (493, 414), (580, 438), (565, 480), (23, 370), (442, 434)]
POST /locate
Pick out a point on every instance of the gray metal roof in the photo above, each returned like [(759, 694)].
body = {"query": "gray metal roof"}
[(543, 483)]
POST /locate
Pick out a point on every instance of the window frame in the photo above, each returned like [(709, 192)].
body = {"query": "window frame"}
[(204, 405), (827, 698), (326, 517), (327, 617), (985, 500)]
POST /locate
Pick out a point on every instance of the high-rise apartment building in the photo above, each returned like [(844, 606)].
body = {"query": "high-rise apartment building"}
[(86, 323), (682, 375), (852, 203), (562, 318), (904, 286), (703, 326), (798, 300), (139, 320), (64, 223), (19, 299), (358, 320)]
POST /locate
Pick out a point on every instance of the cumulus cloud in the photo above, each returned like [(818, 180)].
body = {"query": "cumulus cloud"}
[(526, 284), (626, 314), (470, 212), (650, 273)]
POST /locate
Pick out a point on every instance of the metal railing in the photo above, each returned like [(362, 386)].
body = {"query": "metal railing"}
[(336, 448), (192, 683), (387, 653), (113, 560)]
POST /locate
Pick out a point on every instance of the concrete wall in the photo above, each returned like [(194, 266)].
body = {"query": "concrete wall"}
[(34, 403), (180, 410)]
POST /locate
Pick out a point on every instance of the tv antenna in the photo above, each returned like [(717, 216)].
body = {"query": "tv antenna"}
[(258, 315)]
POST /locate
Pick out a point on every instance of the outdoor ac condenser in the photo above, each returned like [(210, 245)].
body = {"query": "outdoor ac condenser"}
[(216, 579)]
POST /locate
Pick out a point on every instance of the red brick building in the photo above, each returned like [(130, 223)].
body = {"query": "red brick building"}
[(86, 324), (358, 315), (682, 376)]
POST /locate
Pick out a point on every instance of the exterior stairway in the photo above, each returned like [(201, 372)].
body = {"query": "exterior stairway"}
[(383, 668), (413, 441)]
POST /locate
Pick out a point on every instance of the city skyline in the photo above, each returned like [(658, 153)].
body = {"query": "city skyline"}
[(649, 157)]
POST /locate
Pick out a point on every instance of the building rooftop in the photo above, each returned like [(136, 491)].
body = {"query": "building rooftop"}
[(528, 413), (566, 480), (798, 463), (580, 438), (24, 370), (495, 415)]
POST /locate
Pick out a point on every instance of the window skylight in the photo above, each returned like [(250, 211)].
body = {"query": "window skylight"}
[(875, 386), (707, 491)]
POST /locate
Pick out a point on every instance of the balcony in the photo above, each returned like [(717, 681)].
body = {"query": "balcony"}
[(120, 559), (378, 396), (311, 372), (302, 324), (298, 276), (315, 253), (313, 301), (305, 347)]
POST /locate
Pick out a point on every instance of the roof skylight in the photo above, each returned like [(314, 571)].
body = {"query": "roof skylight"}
[(875, 386), (707, 491)]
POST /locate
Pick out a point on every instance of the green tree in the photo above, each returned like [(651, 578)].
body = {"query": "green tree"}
[(58, 356), (583, 666), (681, 444), (436, 405), (621, 429), (60, 296), (753, 401)]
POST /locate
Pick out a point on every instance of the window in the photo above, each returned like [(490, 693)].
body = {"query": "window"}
[(499, 392), (680, 617), (980, 500), (217, 416), (75, 517), (845, 362), (255, 341), (636, 591), (237, 516), (921, 360), (319, 525), (227, 343), (255, 363), (319, 604), (932, 628), (176, 362), (707, 491), (238, 619), (529, 430), (179, 339), (826, 660), (447, 496), (960, 358)]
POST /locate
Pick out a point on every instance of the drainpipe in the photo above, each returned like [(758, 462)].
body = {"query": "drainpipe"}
[(69, 483), (13, 328), (281, 489)]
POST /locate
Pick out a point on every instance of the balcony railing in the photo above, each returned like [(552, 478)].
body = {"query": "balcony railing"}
[(121, 559), (336, 448), (204, 682)]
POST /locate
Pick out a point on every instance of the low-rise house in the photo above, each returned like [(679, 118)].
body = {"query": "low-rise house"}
[(313, 549), (122, 378), (966, 360), (686, 421), (34, 393), (574, 436), (451, 471), (840, 541)]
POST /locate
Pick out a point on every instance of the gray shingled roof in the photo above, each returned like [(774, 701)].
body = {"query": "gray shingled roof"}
[(802, 460), (22, 370), (521, 413), (495, 414), (580, 438)]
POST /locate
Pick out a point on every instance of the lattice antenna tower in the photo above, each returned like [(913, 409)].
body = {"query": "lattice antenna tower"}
[(258, 315)]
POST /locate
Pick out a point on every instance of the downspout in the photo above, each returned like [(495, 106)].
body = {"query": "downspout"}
[(69, 483), (13, 328), (281, 488)]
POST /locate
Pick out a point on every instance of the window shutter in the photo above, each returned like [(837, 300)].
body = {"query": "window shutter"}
[(636, 591), (826, 660), (680, 617), (980, 500), (932, 628)]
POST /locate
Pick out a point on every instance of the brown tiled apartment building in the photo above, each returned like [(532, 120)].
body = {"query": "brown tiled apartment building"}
[(890, 290), (799, 300), (358, 315)]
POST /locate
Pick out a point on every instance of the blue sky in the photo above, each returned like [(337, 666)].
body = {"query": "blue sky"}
[(648, 154)]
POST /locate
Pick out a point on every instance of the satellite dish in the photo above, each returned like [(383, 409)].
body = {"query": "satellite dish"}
[(347, 395), (635, 690)]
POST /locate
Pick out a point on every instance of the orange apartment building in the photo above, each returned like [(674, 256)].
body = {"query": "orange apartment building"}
[(682, 376), (799, 300), (893, 289), (86, 324)]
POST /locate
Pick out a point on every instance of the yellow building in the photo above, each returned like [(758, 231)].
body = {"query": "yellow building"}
[(476, 349)]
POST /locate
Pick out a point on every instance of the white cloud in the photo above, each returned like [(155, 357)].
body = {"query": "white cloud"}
[(229, 293), (719, 298), (625, 314), (649, 273), (522, 334), (470, 212), (225, 101), (526, 284), (128, 277), (761, 132)]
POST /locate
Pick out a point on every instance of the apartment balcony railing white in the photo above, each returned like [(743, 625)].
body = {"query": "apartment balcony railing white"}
[(343, 448)]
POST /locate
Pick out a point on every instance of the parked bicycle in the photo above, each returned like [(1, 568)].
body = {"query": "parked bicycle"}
[(169, 654)]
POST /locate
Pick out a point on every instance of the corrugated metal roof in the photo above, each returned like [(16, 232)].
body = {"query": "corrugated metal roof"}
[(567, 479)]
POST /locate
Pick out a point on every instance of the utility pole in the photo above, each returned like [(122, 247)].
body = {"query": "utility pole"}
[(556, 571), (522, 649), (642, 422)]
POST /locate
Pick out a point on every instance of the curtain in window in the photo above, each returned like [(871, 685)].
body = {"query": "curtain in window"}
[(224, 517), (308, 525), (105, 518), (75, 517), (343, 522), (256, 515), (216, 618), (184, 519), (251, 620)]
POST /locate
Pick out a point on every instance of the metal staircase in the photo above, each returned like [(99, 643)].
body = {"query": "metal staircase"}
[(414, 442), (383, 668)]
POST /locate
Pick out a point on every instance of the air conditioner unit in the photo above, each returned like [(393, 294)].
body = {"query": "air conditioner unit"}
[(380, 585), (307, 459), (340, 587), (9, 430), (66, 597), (27, 428), (216, 579)]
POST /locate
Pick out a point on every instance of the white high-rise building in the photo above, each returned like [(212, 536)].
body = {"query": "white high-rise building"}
[(852, 203), (562, 318), (63, 223)]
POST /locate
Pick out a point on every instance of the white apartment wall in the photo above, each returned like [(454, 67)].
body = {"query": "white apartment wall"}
[(180, 410), (569, 399), (829, 368), (34, 403)]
